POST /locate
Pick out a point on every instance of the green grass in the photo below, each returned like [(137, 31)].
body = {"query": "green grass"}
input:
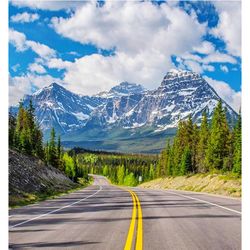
[(31, 198)]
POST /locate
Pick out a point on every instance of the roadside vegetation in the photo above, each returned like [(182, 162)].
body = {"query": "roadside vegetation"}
[(26, 137), (205, 149), (221, 184)]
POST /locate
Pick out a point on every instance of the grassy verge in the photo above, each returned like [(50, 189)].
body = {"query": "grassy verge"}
[(23, 199), (222, 184)]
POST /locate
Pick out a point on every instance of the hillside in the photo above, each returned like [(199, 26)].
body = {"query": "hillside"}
[(209, 183), (30, 179)]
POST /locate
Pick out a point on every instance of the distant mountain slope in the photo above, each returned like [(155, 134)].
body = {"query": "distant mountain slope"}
[(128, 112)]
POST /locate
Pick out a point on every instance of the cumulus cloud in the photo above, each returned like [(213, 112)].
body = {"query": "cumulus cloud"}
[(21, 44), (19, 86), (18, 40), (229, 95), (143, 35), (218, 57), (229, 26), (194, 66), (37, 68), (54, 5), (205, 48), (24, 17)]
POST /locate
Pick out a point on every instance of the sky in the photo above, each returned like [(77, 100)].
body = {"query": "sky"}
[(89, 47)]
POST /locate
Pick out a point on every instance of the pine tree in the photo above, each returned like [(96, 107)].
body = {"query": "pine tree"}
[(12, 127), (194, 147), (218, 144), (202, 144), (237, 146), (38, 147), (53, 159), (186, 162)]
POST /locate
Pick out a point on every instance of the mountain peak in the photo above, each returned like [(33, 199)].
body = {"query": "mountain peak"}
[(126, 88), (180, 73), (50, 88), (54, 85), (180, 77)]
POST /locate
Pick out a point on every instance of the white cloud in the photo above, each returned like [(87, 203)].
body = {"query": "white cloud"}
[(24, 17), (19, 86), (21, 44), (224, 68), (194, 66), (58, 63), (37, 68), (218, 57), (18, 40), (228, 94), (41, 49), (144, 36), (48, 5), (229, 26), (205, 48)]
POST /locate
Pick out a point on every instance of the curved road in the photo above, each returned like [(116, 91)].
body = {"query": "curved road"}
[(103, 216)]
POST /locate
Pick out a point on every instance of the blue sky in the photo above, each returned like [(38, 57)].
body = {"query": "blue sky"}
[(90, 46)]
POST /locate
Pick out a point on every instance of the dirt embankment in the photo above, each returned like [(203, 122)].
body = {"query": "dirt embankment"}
[(30, 179), (208, 183)]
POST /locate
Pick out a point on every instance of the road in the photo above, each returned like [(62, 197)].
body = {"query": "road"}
[(103, 216)]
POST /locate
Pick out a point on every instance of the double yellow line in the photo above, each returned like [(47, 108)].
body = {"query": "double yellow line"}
[(139, 235)]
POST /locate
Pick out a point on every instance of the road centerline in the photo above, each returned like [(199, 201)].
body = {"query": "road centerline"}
[(139, 235), (129, 240)]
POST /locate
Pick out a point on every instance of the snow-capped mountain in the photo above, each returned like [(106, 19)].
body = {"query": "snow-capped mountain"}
[(123, 89), (127, 109), (181, 93), (59, 108)]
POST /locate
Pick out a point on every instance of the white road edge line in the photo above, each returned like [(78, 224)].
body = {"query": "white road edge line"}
[(213, 204), (56, 210)]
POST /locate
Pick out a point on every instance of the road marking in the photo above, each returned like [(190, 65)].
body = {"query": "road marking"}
[(129, 240), (210, 203), (56, 210), (139, 238)]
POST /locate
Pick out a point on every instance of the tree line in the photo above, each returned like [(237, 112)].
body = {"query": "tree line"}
[(26, 137), (211, 147), (122, 169)]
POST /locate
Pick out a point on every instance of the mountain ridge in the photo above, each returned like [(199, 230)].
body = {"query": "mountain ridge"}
[(127, 111)]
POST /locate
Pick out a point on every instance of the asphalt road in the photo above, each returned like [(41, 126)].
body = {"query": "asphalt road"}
[(103, 216)]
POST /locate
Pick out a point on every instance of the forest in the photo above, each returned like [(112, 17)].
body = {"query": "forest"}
[(210, 147)]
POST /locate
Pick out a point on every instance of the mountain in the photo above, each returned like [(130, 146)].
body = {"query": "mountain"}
[(181, 93), (123, 89), (59, 108), (127, 117)]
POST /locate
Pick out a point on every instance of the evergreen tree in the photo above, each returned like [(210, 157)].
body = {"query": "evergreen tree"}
[(237, 152), (218, 144), (186, 162), (53, 159), (38, 147), (202, 144), (12, 127)]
